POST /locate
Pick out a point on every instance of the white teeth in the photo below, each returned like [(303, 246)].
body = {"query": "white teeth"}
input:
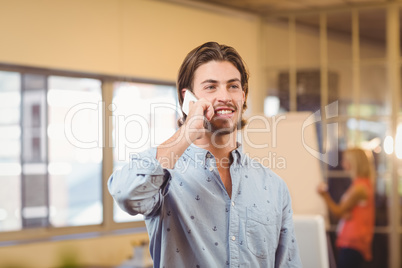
[(224, 112)]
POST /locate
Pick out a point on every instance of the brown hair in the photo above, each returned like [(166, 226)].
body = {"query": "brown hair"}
[(362, 163), (205, 53)]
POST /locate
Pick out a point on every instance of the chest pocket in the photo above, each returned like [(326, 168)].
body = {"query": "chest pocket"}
[(262, 232)]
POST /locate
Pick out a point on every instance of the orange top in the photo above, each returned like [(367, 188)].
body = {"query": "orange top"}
[(356, 231)]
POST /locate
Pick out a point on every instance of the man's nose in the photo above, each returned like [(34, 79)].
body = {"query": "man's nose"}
[(223, 94)]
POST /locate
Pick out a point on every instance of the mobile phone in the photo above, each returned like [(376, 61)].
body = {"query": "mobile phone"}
[(188, 96)]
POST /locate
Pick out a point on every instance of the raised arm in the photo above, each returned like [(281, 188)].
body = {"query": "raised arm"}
[(351, 198), (170, 151), (138, 188)]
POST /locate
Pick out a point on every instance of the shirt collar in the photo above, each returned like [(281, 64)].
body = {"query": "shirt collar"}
[(201, 155)]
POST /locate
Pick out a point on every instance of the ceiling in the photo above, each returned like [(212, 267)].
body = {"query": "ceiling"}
[(371, 21), (266, 7)]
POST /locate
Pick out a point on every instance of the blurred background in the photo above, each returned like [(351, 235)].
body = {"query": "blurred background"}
[(84, 84)]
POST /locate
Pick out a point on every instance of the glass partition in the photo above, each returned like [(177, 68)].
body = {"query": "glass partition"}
[(372, 34), (340, 61)]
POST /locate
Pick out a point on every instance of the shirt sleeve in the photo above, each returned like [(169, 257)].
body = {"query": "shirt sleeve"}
[(139, 187), (287, 253)]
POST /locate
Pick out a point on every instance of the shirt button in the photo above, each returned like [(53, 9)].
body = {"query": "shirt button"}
[(233, 203), (211, 168), (208, 155), (233, 238)]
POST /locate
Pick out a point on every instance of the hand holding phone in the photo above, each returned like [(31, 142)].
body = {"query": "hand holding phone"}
[(188, 96)]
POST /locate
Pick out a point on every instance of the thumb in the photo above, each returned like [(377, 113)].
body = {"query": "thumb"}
[(209, 112)]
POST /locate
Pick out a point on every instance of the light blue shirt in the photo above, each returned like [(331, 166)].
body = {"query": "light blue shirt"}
[(192, 221)]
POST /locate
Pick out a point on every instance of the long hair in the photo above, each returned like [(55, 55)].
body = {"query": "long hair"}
[(210, 51), (362, 163)]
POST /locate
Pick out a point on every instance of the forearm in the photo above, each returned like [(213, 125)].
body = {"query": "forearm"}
[(171, 150), (333, 207)]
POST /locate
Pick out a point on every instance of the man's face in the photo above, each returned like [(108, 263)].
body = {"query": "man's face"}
[(220, 84)]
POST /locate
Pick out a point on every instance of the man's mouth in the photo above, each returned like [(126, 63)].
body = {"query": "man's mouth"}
[(224, 111)]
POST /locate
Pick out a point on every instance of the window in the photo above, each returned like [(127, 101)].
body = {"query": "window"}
[(34, 177), (48, 178), (75, 151), (144, 115), (52, 138), (10, 154)]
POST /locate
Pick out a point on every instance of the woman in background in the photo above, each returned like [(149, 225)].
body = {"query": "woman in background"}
[(355, 210)]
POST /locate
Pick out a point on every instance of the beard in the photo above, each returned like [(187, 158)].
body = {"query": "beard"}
[(219, 130)]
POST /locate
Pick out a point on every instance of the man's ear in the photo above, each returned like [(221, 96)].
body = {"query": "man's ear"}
[(183, 91)]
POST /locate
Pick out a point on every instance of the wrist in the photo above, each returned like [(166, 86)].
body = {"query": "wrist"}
[(191, 134)]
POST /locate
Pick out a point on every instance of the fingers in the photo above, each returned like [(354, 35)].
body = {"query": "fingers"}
[(195, 121), (209, 112), (190, 105), (201, 108)]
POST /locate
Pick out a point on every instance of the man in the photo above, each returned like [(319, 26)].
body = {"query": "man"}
[(206, 204)]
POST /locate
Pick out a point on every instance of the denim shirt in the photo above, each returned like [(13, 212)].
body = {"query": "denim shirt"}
[(192, 221)]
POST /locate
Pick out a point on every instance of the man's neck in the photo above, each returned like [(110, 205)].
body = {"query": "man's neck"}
[(220, 146)]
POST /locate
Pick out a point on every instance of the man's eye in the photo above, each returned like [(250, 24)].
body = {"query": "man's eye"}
[(235, 86), (210, 87)]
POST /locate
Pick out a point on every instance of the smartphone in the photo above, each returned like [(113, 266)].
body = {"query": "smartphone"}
[(188, 96)]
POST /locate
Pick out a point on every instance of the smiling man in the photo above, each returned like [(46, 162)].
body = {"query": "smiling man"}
[(206, 204)]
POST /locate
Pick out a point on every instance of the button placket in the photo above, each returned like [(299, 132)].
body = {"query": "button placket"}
[(210, 161), (233, 232)]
